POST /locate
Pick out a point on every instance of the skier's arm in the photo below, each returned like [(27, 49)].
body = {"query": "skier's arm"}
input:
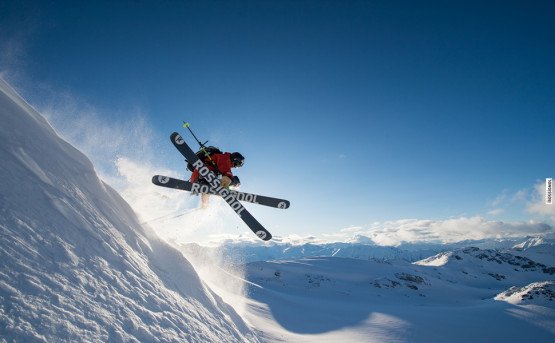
[(224, 165)]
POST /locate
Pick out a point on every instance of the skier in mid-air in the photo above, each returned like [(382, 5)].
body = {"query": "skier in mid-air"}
[(206, 165), (220, 163)]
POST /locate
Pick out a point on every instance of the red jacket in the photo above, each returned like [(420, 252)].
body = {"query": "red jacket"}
[(222, 161)]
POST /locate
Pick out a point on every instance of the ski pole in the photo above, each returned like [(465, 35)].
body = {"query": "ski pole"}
[(185, 124), (202, 145)]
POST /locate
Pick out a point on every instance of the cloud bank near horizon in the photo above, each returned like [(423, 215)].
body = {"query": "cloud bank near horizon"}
[(539, 206), (394, 233)]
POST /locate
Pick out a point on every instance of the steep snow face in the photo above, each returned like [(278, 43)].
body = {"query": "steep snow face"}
[(75, 265)]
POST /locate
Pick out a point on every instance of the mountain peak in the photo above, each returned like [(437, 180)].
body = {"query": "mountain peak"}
[(535, 293), (530, 242)]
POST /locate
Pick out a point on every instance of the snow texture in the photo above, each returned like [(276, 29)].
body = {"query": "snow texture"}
[(341, 299), (75, 264), (368, 293)]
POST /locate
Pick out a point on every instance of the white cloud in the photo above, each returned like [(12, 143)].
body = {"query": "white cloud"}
[(298, 239), (500, 199), (394, 233), (521, 195), (451, 230), (508, 202), (397, 232), (538, 205), (496, 211), (352, 229)]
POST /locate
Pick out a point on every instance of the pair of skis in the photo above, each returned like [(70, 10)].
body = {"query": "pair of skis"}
[(196, 188), (233, 198)]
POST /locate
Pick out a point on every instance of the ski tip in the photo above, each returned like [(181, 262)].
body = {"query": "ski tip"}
[(263, 235), (176, 139), (284, 204), (155, 179), (160, 180)]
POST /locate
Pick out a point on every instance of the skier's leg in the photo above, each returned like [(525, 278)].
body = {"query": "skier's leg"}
[(204, 200)]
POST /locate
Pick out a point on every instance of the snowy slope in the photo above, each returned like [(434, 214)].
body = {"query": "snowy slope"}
[(538, 249), (529, 243), (535, 293), (75, 265), (451, 297)]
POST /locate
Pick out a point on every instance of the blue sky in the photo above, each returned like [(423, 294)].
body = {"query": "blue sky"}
[(357, 111)]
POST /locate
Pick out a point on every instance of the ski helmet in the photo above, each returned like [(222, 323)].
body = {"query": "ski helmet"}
[(237, 159)]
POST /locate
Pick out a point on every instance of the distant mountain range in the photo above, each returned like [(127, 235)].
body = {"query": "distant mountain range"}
[(537, 248)]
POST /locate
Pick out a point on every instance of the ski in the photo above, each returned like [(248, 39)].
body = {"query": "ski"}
[(195, 188), (214, 182)]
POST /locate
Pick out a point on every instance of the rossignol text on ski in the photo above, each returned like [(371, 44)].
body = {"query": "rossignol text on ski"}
[(197, 188)]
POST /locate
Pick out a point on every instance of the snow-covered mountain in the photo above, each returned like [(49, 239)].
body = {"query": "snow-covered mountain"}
[(244, 252), (75, 264), (456, 296), (538, 249), (529, 243), (534, 293), (248, 251)]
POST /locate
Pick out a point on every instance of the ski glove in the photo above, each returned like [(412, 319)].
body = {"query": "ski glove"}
[(235, 181)]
